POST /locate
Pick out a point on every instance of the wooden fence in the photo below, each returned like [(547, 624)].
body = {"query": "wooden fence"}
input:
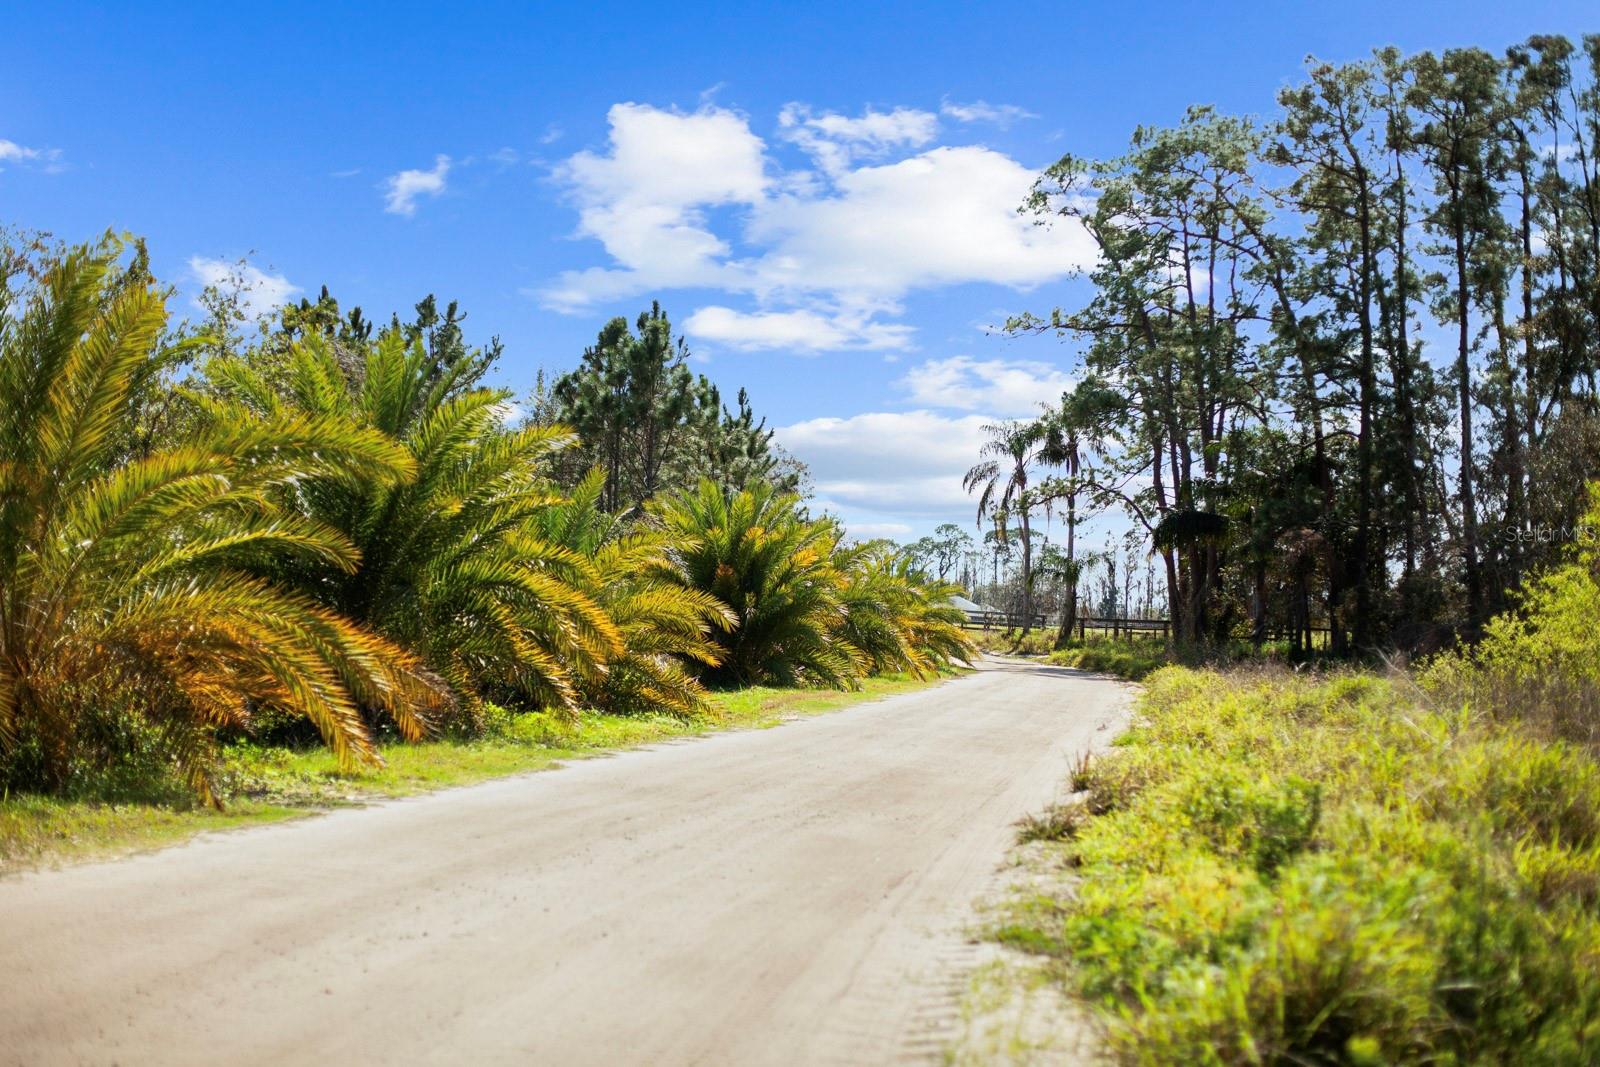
[(1123, 628), (1117, 628), (1113, 626), (1002, 620)]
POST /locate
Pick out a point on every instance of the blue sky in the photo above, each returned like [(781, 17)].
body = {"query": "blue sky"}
[(821, 196)]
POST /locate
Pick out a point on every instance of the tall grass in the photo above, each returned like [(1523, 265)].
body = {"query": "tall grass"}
[(1273, 868)]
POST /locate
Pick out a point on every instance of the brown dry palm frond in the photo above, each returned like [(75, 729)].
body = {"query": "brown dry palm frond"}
[(130, 587)]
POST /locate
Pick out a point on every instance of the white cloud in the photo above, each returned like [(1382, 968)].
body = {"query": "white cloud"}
[(11, 152), (798, 331), (697, 200), (259, 292), (49, 158), (835, 141), (1008, 388), (645, 199), (402, 190), (905, 463), (1001, 115), (944, 217)]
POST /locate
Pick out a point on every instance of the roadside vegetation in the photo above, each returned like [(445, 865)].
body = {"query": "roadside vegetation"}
[(1338, 375), (260, 566), (1343, 867), (1127, 659)]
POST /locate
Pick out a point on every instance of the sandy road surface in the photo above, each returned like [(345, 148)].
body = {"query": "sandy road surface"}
[(793, 895)]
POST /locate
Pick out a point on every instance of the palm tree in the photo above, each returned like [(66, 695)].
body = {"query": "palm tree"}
[(136, 589), (757, 553), (1062, 447), (1001, 480), (666, 626), (453, 565)]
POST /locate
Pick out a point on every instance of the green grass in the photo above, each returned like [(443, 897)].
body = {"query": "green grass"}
[(1136, 658), (269, 784), (1126, 658), (35, 829), (1133, 660), (1279, 868)]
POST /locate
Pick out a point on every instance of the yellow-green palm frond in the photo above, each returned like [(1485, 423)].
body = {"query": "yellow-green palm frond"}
[(450, 563), (135, 587), (755, 551)]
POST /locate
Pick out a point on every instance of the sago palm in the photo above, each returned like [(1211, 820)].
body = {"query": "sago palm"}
[(137, 587), (895, 619), (453, 565), (755, 552), (668, 629)]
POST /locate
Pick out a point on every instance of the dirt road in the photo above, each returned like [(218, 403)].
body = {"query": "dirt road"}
[(793, 895)]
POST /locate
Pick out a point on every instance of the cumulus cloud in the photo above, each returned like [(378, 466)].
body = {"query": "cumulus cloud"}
[(12, 152), (645, 200), (867, 531), (1006, 388), (260, 293), (698, 200), (402, 190), (906, 463), (942, 217), (795, 331)]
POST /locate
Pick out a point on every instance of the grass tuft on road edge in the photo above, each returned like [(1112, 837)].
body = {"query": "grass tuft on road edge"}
[(270, 784)]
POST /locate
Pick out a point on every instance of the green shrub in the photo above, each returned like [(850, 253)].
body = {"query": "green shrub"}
[(1540, 663)]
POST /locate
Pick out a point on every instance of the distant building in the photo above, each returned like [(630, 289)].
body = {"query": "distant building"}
[(973, 611)]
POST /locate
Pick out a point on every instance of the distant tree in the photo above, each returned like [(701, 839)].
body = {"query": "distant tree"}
[(1460, 99), (1001, 480), (651, 424), (732, 450), (939, 554), (633, 401)]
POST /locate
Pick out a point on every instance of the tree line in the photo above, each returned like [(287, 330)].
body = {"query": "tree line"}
[(316, 527), (1339, 364)]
